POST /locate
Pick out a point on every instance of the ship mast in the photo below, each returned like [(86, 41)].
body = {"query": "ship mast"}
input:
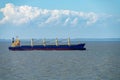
[(44, 42), (56, 42), (69, 42), (32, 42)]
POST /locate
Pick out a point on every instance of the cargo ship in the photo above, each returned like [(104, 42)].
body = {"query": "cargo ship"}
[(16, 46)]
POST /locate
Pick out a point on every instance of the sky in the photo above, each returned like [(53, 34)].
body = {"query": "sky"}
[(59, 18)]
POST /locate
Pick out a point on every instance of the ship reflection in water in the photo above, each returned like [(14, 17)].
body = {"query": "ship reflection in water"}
[(17, 46)]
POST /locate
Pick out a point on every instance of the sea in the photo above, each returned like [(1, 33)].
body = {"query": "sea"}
[(100, 61)]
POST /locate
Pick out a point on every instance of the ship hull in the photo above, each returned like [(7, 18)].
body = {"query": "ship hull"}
[(49, 47)]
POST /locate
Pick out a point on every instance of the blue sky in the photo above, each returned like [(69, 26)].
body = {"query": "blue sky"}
[(60, 18)]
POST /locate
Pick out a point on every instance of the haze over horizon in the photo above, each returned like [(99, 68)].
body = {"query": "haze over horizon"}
[(62, 19)]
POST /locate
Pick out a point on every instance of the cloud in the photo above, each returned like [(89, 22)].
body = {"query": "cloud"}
[(24, 14), (92, 18), (18, 14), (75, 21)]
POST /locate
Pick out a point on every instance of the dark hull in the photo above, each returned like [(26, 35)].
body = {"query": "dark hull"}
[(49, 47)]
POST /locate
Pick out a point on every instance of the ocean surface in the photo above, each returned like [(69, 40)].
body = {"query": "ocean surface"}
[(101, 61)]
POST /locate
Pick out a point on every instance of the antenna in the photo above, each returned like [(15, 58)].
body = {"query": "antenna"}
[(13, 40)]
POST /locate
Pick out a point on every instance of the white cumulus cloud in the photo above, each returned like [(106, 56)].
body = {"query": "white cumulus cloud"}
[(24, 14), (18, 14)]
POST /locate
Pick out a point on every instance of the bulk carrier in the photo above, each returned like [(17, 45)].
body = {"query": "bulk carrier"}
[(16, 46)]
